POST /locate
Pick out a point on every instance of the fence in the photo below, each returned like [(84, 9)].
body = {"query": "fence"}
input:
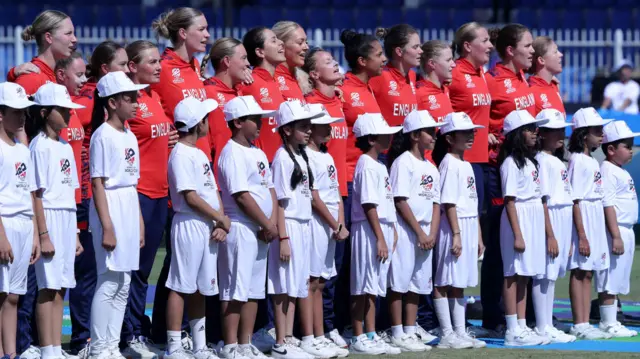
[(586, 52)]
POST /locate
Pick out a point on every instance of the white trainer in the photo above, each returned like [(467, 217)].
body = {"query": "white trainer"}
[(454, 341), (187, 342), (543, 338), (141, 348), (555, 336), (424, 335), (32, 352), (84, 352), (470, 337), (178, 354), (66, 355), (409, 343), (521, 337), (318, 349), (382, 339), (617, 330), (335, 336), (364, 345), (339, 352), (288, 350), (115, 353), (231, 352), (206, 353), (263, 340), (252, 352), (589, 332)]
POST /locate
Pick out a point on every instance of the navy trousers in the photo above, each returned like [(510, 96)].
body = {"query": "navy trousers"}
[(27, 330)]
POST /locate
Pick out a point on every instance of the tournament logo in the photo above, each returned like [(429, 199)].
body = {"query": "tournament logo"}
[(283, 83), (433, 101), (427, 182), (393, 88), (332, 172), (536, 177), (65, 167), (509, 86), (632, 187), (21, 171), (262, 169), (545, 101), (564, 174), (207, 169), (355, 100), (469, 80), (221, 99), (177, 78), (387, 185), (144, 110), (471, 183), (597, 178), (264, 93), (130, 155)]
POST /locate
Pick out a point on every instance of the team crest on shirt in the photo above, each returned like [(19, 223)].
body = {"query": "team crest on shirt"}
[(632, 186), (471, 186), (262, 169), (433, 102), (221, 99), (283, 83), (545, 101), (264, 95), (564, 175), (331, 170), (426, 182), (177, 77), (130, 156), (469, 80), (355, 100), (393, 88), (509, 86), (305, 190), (144, 110)]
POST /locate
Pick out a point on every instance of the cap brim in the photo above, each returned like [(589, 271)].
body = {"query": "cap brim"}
[(71, 105), (540, 122), (556, 125), (389, 130), (434, 125), (326, 120), (209, 105), (19, 105)]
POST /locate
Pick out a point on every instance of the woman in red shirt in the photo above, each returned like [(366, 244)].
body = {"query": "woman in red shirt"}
[(229, 59), (295, 49), (545, 66), (395, 88)]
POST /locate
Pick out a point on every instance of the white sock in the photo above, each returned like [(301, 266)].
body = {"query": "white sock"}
[(551, 295), (442, 312), (228, 347), (512, 321), (320, 336), (244, 346), (199, 334), (57, 350), (522, 323), (539, 295), (307, 339), (174, 340), (608, 313), (582, 326), (397, 331), (47, 352), (457, 307), (410, 330)]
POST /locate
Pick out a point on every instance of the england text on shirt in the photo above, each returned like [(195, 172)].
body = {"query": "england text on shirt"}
[(395, 94)]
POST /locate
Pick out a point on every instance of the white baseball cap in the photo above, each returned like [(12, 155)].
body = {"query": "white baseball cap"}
[(52, 94), (588, 117), (617, 130), (191, 111), (13, 95), (622, 63), (458, 121), (556, 119), (373, 124), (518, 118), (242, 106), (416, 120), (117, 82), (326, 119), (291, 111)]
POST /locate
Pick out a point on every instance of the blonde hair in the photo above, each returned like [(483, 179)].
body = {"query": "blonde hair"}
[(430, 50), (46, 21), (169, 23), (465, 33), (284, 29), (223, 47), (540, 47)]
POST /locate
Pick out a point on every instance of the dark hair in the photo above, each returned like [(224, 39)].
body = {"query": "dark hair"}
[(441, 148), (356, 45), (400, 144), (615, 144), (310, 60), (103, 54), (297, 175), (559, 152), (65, 62), (363, 144), (577, 140), (180, 124), (135, 48), (509, 35), (100, 108), (253, 40), (395, 36), (35, 122), (514, 145)]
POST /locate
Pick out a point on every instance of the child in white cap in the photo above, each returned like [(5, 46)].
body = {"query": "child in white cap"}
[(197, 227), (557, 198), (19, 241), (250, 202), (416, 190), (373, 232), (460, 240), (114, 215), (522, 236), (621, 214), (55, 210), (589, 238)]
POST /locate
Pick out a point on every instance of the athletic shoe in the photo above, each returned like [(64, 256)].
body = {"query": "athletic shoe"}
[(115, 353), (66, 355), (555, 336), (335, 336), (521, 337), (141, 348), (409, 343), (383, 341), (617, 330), (543, 338), (84, 352), (105, 354), (424, 335), (206, 353), (288, 350), (364, 345), (263, 340), (252, 352), (318, 349), (589, 332), (234, 352), (187, 342), (454, 341), (339, 352), (470, 337), (178, 354), (32, 352)]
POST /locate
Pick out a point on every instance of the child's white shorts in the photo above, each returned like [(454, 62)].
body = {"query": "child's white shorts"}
[(616, 279), (595, 229), (561, 218), (13, 276), (411, 267), (57, 272), (323, 247), (531, 262), (368, 273), (461, 272), (292, 277)]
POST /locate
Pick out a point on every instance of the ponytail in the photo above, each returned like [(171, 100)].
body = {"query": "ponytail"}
[(35, 122), (98, 115), (401, 143), (297, 174), (441, 148)]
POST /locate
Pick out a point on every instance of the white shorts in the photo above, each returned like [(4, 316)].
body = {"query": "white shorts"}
[(323, 247), (19, 231), (291, 278), (616, 279), (461, 272), (194, 258), (595, 229), (124, 210), (242, 264), (368, 273), (411, 267), (57, 272), (531, 262), (561, 218)]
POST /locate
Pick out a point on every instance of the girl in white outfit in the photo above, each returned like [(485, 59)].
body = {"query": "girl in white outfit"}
[(55, 209), (114, 213)]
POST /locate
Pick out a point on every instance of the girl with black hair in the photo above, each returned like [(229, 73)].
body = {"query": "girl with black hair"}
[(589, 238)]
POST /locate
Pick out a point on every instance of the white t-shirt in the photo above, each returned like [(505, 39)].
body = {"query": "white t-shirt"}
[(17, 180), (554, 180), (619, 92), (418, 181), (115, 156), (620, 191), (458, 186), (585, 177), (298, 200), (189, 169), (325, 177), (371, 185), (244, 169), (523, 184), (55, 172)]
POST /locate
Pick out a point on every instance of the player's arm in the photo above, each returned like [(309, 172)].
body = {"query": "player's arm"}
[(47, 248), (204, 209), (371, 213), (552, 243), (6, 253)]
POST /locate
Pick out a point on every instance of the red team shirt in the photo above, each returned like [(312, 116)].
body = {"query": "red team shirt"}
[(395, 95), (85, 98), (469, 93), (32, 81), (435, 100), (151, 127), (337, 147), (358, 99), (288, 84), (509, 92), (74, 135), (267, 93), (219, 132), (546, 95), (178, 80)]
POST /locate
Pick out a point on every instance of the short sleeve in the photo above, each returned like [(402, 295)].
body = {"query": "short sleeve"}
[(509, 174), (436, 188), (99, 155), (546, 177), (609, 184), (579, 177), (31, 177), (282, 170), (450, 184), (233, 170), (369, 187), (633, 91), (40, 164), (400, 179), (184, 171)]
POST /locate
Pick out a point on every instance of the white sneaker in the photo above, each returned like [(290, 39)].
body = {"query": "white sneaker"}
[(288, 350), (589, 332), (556, 336), (543, 338), (339, 352), (335, 336), (364, 345), (115, 353), (251, 352), (105, 354), (66, 355), (84, 352), (263, 340), (454, 341), (409, 343), (521, 337), (383, 341), (470, 337), (206, 353), (617, 330), (424, 335), (318, 349), (233, 352), (141, 348), (178, 354), (32, 352), (187, 342)]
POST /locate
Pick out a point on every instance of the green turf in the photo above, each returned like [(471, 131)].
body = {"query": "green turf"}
[(500, 353)]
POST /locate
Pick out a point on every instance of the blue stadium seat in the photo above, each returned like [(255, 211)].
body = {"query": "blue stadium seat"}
[(84, 15), (416, 18), (317, 3), (10, 16), (269, 16), (270, 3), (627, 4), (342, 18), (622, 19), (151, 13), (248, 17), (290, 3), (108, 16), (604, 3), (319, 18), (343, 4), (215, 18), (391, 3), (439, 19), (526, 17), (367, 3), (392, 16), (30, 12), (573, 19), (367, 18), (595, 19), (130, 15), (297, 15), (462, 16), (549, 19)]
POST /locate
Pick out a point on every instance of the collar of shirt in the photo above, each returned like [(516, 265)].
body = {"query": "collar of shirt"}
[(44, 69), (398, 76), (174, 60), (283, 71), (539, 81), (431, 87), (466, 67), (501, 72), (220, 86), (263, 74)]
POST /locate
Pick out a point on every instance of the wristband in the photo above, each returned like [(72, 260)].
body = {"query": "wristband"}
[(43, 233), (283, 238)]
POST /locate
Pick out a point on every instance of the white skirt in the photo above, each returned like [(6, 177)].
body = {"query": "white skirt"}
[(616, 279), (595, 229), (57, 272), (411, 267), (323, 246), (291, 278), (561, 218), (368, 273), (529, 263), (461, 272), (19, 231)]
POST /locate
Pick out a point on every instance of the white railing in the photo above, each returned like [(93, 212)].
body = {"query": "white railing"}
[(586, 52)]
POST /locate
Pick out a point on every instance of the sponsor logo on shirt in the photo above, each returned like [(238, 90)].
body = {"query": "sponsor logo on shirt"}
[(433, 102), (262, 171), (305, 185), (21, 171), (207, 174), (283, 83), (65, 168), (264, 95), (177, 77), (471, 186), (469, 80), (355, 100), (564, 175), (331, 170), (545, 101), (509, 86), (426, 182), (393, 88)]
